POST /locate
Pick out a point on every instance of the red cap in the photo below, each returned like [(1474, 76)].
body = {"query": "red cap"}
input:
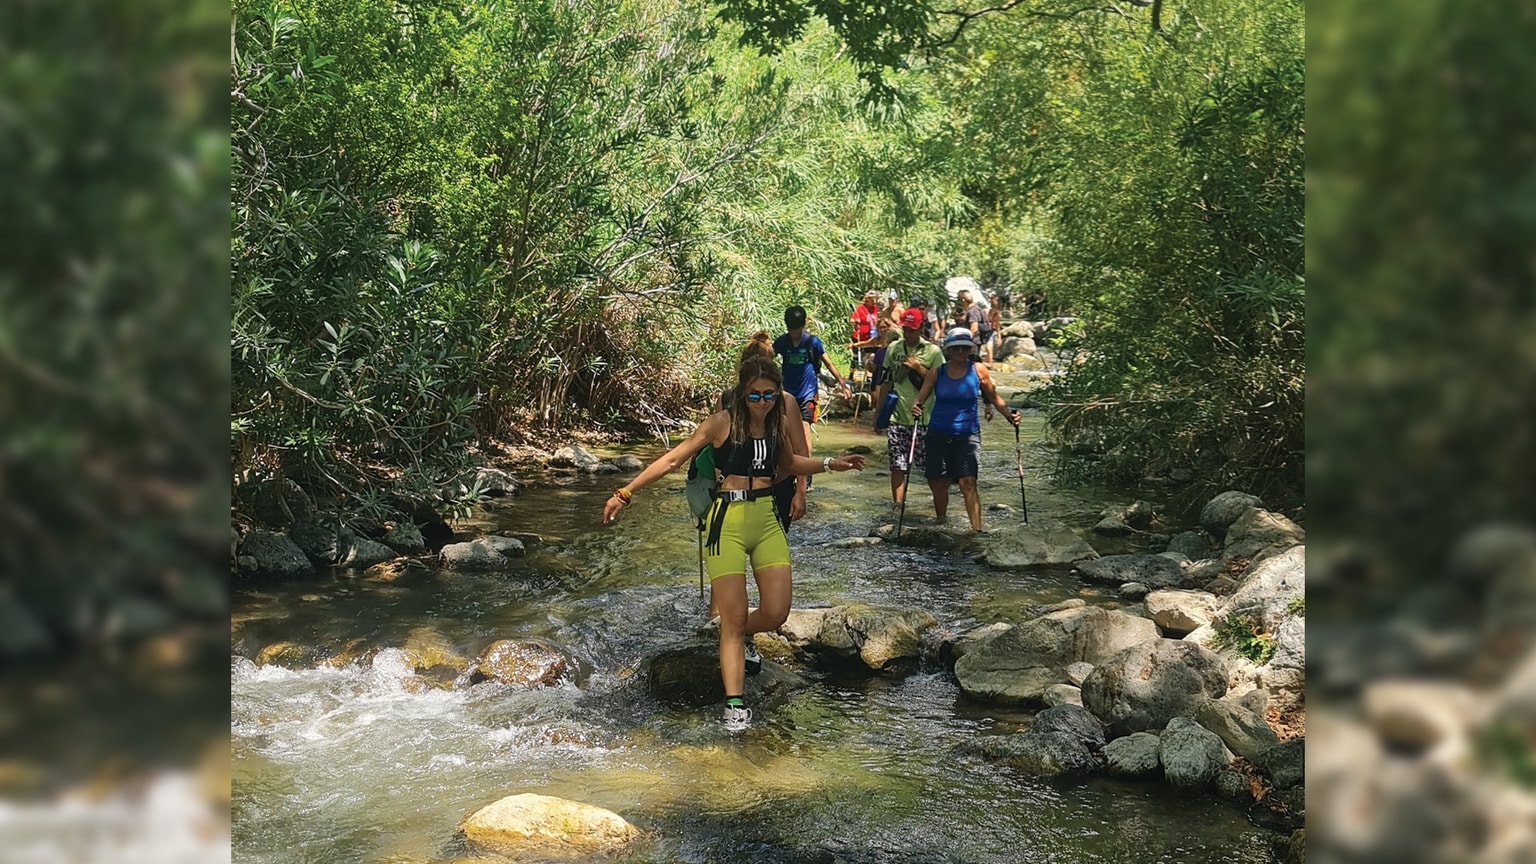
[(912, 319)]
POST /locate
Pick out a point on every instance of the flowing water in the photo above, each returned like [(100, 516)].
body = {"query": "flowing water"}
[(364, 764)]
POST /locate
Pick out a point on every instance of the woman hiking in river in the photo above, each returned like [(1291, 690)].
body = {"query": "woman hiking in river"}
[(751, 441), (954, 430)]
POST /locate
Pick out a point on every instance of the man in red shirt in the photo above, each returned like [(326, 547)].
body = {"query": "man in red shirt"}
[(864, 317)]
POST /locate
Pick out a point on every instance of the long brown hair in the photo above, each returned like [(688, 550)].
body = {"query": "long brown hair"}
[(752, 369)]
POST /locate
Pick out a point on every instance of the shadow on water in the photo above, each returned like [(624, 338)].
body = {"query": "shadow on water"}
[(361, 763)]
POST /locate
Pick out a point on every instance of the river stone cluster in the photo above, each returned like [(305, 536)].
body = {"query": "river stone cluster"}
[(1197, 681)]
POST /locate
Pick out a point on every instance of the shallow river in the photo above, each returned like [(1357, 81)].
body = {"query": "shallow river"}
[(362, 764)]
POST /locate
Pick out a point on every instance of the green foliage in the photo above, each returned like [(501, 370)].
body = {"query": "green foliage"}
[(1246, 636), (1154, 187), (1297, 606), (110, 338)]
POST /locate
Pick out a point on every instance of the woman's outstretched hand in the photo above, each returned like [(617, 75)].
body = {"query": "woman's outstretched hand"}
[(847, 463), (611, 509)]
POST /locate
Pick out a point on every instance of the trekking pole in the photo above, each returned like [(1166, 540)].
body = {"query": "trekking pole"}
[(906, 481), (1018, 457), (701, 566)]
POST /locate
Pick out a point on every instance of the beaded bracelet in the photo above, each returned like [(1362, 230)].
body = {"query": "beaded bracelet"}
[(623, 494)]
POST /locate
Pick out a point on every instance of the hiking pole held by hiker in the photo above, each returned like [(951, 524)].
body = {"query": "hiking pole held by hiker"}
[(1018, 457), (906, 481)]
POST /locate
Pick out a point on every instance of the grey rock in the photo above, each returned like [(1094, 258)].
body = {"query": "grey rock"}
[(1203, 570), (1224, 509), (1078, 672), (1112, 526), (1179, 612), (1258, 533), (1133, 755), (1244, 732), (1037, 544), (953, 646), (1192, 544), (320, 541), (405, 537), (573, 456), (1270, 587), (628, 463), (364, 553), (1153, 571), (487, 553), (1048, 754), (1062, 694), (1073, 721), (1134, 591), (690, 675), (1019, 664), (1286, 810), (1285, 763), (1191, 755), (1142, 687), (276, 555), (1233, 786)]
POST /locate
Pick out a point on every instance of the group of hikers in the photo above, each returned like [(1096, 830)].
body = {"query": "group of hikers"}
[(760, 472), (875, 326)]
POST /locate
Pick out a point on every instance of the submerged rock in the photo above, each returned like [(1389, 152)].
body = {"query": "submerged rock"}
[(520, 662), (546, 826), (1037, 544)]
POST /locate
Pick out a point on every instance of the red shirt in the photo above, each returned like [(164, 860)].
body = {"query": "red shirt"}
[(864, 317)]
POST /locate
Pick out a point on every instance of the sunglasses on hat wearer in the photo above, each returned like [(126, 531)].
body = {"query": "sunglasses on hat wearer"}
[(762, 396)]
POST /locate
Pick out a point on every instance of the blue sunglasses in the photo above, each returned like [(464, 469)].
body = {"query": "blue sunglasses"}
[(765, 396)]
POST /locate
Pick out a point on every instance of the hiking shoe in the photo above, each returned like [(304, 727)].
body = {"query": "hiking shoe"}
[(737, 718), (754, 659)]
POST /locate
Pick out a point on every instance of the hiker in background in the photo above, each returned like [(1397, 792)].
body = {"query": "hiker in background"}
[(804, 355), (994, 328), (907, 363), (865, 320), (954, 430), (749, 442), (887, 330), (930, 321), (972, 317)]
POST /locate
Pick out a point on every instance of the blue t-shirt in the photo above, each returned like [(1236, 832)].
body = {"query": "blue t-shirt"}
[(954, 403), (800, 362)]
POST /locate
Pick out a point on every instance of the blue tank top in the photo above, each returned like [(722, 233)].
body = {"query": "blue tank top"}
[(954, 403)]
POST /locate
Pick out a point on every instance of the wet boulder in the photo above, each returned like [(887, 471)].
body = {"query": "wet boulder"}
[(689, 674), (363, 553), (1021, 663), (1144, 686), (1221, 511), (519, 662), (574, 456), (876, 637), (487, 553), (1036, 544), (1285, 763), (405, 538), (275, 555), (1061, 741), (1133, 755), (1191, 755), (1153, 571), (543, 826)]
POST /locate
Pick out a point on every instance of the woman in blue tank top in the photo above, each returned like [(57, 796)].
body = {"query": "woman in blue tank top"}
[(954, 430)]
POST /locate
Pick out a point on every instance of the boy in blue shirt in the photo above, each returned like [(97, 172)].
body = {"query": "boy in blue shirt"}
[(803, 354)]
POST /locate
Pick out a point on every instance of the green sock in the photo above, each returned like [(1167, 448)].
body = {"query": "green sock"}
[(734, 702)]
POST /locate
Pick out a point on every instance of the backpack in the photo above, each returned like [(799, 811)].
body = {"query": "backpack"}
[(699, 489)]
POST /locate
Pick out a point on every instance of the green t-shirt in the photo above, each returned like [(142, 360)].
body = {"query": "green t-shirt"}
[(906, 384)]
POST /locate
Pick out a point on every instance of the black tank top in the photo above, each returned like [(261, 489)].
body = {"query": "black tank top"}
[(756, 457)]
